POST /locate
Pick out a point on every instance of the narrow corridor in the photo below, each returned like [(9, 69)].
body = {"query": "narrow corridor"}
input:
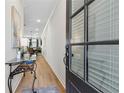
[(77, 42), (45, 77)]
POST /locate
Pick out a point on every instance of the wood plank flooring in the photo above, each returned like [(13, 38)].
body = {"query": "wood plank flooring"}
[(45, 77)]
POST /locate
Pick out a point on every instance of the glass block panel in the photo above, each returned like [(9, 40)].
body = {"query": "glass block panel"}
[(77, 64), (76, 4), (103, 67), (103, 20), (78, 28)]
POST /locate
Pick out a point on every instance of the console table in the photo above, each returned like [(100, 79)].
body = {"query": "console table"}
[(23, 66)]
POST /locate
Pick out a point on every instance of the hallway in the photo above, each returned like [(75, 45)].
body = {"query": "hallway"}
[(78, 41), (45, 77)]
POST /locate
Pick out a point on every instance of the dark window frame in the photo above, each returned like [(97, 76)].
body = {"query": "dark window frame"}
[(86, 43)]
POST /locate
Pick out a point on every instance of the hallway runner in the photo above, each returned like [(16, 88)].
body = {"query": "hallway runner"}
[(49, 89)]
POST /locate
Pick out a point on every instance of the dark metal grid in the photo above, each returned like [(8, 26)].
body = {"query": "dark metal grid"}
[(70, 29), (86, 42), (81, 8), (106, 42), (86, 38), (110, 42)]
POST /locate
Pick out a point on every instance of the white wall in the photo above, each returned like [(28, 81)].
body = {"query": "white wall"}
[(53, 38), (9, 51)]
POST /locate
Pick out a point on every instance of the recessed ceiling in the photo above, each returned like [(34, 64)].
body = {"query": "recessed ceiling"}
[(36, 14)]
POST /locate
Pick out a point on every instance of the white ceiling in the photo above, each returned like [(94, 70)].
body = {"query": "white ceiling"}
[(33, 10)]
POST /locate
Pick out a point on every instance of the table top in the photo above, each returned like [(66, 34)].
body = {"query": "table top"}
[(16, 61)]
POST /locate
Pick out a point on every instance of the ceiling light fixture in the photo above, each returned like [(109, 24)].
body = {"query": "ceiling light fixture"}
[(38, 20)]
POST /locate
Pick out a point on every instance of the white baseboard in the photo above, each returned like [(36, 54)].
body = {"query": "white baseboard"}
[(63, 84)]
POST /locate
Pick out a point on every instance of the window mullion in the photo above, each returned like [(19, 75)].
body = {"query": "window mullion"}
[(86, 39)]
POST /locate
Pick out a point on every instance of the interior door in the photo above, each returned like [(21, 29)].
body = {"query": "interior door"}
[(92, 46)]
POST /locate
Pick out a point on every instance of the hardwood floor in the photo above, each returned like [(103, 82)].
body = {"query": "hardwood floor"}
[(45, 77)]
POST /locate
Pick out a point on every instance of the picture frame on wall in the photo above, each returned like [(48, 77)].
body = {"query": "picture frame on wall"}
[(15, 27)]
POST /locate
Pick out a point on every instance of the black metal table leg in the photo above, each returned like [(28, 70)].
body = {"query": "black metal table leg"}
[(34, 72), (21, 69), (10, 80)]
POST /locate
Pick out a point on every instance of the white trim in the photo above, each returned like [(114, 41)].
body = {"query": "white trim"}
[(63, 84), (53, 11)]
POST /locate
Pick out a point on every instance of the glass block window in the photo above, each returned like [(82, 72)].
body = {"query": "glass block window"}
[(101, 60), (78, 28), (103, 20), (76, 4), (103, 67), (77, 64)]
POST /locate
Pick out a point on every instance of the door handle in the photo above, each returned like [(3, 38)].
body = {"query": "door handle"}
[(66, 55), (64, 60)]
